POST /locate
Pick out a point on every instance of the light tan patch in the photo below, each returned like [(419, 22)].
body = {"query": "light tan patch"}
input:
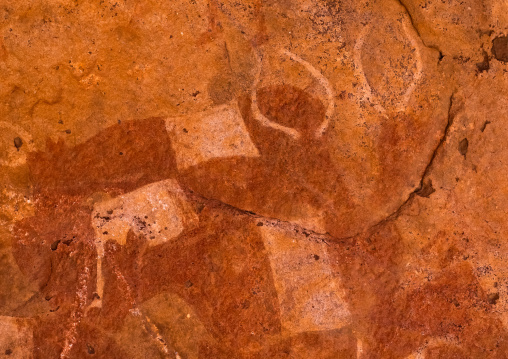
[(219, 132), (16, 337), (10, 154), (159, 211), (309, 294)]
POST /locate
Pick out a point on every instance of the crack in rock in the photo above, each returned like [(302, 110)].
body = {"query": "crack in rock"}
[(411, 20), (424, 189), (272, 222)]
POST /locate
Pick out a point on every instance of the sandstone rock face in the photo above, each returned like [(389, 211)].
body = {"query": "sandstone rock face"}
[(254, 179)]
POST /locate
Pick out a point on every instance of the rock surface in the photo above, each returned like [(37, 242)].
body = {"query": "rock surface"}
[(254, 179)]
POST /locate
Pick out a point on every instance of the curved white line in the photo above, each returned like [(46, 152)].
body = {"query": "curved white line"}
[(357, 50), (401, 104), (419, 71), (324, 82), (255, 108)]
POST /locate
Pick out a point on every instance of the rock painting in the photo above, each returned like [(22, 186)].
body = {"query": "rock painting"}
[(253, 179)]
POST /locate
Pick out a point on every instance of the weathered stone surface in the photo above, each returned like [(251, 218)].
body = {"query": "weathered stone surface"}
[(253, 179)]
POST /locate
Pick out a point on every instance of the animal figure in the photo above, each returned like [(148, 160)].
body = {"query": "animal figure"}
[(117, 222)]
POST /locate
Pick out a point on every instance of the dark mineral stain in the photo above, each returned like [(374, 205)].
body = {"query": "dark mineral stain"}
[(259, 224), (221, 89), (485, 125), (493, 298), (90, 349), (54, 245), (316, 257), (426, 189), (199, 207), (484, 65), (8, 352), (500, 48), (246, 304), (67, 242), (18, 143), (463, 146)]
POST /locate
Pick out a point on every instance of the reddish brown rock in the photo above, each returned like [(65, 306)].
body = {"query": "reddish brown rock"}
[(253, 179)]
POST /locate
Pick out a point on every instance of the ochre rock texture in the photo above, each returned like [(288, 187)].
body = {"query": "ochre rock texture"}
[(219, 179)]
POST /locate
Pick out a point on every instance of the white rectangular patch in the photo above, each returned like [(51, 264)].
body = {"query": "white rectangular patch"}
[(160, 211), (309, 294), (219, 132)]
